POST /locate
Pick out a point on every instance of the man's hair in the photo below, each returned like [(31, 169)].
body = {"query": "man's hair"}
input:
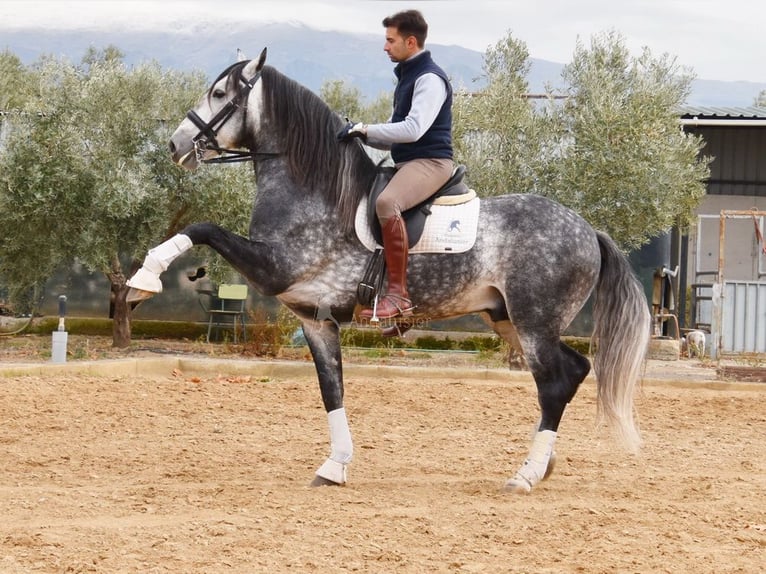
[(409, 23)]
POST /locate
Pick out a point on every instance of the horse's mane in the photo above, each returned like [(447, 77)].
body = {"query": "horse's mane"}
[(305, 129)]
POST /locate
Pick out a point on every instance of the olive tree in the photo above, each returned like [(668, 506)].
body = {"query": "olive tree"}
[(17, 84), (497, 131), (627, 166), (348, 102), (612, 148), (85, 174)]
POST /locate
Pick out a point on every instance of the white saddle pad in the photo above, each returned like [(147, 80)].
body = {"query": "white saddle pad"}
[(449, 228)]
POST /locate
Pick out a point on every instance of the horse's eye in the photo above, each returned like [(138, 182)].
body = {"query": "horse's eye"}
[(218, 93)]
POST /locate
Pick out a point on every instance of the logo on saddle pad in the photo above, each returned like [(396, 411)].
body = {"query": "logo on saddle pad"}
[(444, 224)]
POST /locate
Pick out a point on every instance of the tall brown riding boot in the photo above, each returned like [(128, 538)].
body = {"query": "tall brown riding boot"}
[(396, 301)]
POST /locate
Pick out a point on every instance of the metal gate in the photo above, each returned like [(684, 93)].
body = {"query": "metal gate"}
[(743, 317), (738, 314)]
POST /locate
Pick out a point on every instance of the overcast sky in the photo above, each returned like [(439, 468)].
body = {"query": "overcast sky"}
[(719, 40)]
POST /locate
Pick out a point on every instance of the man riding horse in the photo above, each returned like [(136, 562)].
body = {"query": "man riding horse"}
[(419, 136)]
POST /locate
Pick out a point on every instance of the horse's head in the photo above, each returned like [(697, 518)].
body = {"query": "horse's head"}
[(214, 126), (253, 112)]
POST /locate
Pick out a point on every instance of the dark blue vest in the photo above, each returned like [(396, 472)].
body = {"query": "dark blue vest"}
[(437, 141)]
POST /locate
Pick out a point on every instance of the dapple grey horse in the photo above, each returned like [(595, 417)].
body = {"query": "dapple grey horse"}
[(533, 266)]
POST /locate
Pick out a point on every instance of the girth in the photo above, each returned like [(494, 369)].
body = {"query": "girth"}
[(415, 217)]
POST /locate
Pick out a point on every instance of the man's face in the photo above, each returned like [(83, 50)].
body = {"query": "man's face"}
[(397, 47)]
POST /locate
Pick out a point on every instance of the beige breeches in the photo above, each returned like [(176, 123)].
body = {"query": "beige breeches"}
[(414, 182)]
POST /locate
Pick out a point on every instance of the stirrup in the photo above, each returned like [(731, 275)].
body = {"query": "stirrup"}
[(404, 310), (398, 329)]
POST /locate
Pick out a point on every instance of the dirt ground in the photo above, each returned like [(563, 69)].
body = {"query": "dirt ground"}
[(207, 474)]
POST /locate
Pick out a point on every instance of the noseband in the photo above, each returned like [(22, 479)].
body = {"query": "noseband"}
[(208, 131)]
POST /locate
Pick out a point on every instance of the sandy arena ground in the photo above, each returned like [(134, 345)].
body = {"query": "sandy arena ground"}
[(186, 473)]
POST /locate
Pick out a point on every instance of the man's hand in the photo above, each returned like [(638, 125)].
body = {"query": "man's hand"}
[(352, 130)]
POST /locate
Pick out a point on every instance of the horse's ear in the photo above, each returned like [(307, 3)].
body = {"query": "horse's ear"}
[(253, 67), (241, 56), (261, 60)]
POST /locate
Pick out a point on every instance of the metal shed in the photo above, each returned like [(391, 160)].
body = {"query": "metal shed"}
[(722, 283)]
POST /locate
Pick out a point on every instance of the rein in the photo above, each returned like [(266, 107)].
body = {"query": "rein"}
[(235, 155), (208, 131)]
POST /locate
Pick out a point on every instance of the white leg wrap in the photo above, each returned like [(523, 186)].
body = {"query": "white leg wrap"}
[(533, 469), (157, 260), (341, 448), (163, 255)]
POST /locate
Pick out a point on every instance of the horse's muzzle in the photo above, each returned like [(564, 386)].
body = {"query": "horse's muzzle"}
[(186, 160)]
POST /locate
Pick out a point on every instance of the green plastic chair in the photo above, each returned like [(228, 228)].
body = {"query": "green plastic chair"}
[(229, 310)]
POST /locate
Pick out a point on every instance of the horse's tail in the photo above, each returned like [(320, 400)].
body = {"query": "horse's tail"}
[(622, 327)]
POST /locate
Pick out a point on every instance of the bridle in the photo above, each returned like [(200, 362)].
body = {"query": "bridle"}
[(206, 138)]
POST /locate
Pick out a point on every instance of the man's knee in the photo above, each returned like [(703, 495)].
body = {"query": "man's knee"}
[(386, 207)]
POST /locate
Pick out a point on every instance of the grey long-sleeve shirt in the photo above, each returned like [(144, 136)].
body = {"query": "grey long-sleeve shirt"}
[(427, 99)]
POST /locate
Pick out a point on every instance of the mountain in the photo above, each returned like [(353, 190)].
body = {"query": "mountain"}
[(309, 56)]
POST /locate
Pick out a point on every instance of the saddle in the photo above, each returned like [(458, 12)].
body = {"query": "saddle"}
[(454, 192)]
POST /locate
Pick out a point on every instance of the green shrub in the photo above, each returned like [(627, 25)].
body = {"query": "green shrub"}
[(481, 344), (579, 344), (267, 336), (140, 329), (369, 339), (434, 344)]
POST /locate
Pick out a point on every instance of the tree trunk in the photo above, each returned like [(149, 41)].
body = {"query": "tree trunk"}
[(121, 326), (121, 319)]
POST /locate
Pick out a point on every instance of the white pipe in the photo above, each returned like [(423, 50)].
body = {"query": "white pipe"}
[(740, 123)]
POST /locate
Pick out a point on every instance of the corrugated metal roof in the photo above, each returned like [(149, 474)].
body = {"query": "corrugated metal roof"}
[(724, 113)]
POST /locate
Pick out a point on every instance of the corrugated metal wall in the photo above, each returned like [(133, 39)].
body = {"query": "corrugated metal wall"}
[(740, 165)]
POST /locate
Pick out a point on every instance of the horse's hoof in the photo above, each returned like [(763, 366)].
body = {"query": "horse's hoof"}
[(137, 295), (517, 486), (322, 481), (551, 465)]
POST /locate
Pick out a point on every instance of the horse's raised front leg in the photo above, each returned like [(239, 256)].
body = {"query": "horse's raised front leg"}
[(323, 338), (253, 259), (146, 281)]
